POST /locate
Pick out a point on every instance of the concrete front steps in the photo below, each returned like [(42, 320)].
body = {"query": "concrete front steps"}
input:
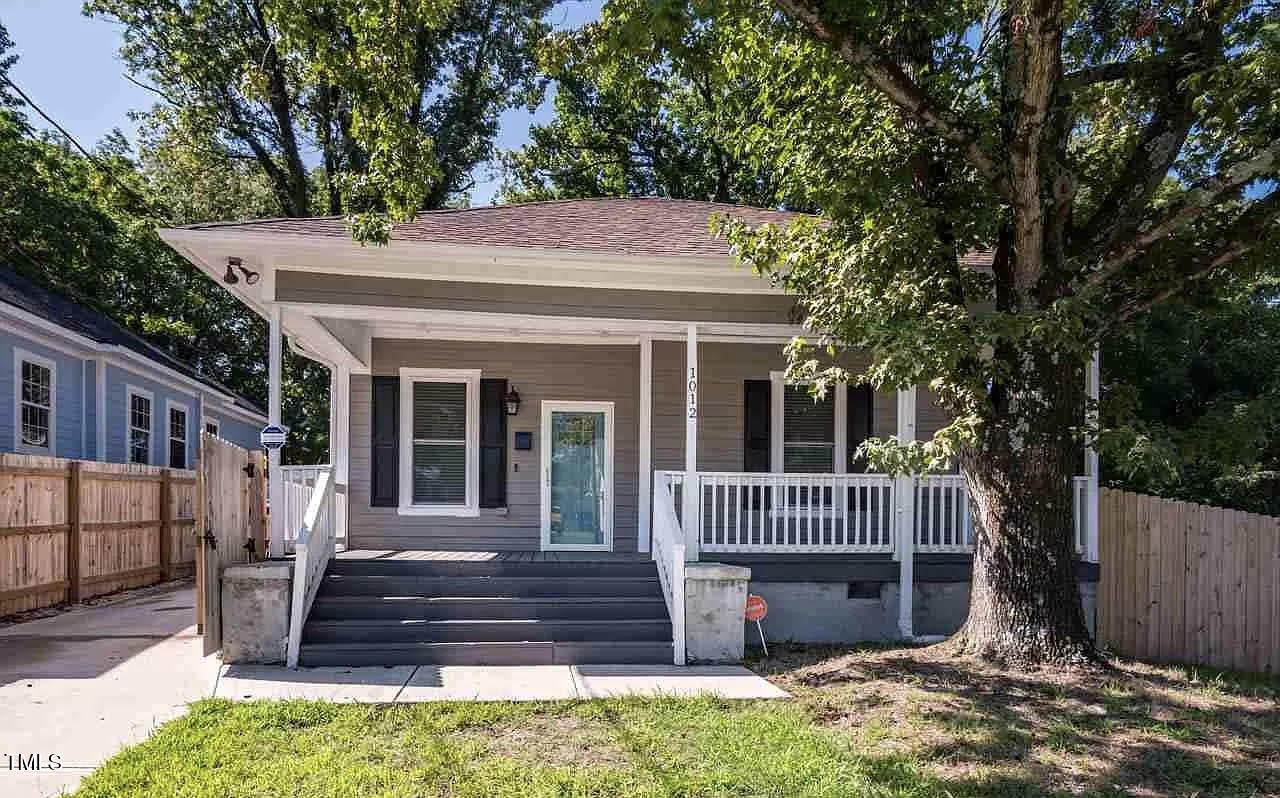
[(408, 612)]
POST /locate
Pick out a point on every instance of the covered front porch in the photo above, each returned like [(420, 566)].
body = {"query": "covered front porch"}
[(856, 533)]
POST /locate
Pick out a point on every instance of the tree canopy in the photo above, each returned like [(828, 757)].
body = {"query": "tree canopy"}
[(373, 110), (85, 226), (641, 107)]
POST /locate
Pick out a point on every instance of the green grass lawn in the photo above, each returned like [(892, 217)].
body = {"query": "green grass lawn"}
[(863, 723)]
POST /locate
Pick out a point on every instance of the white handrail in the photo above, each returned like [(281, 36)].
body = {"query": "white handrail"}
[(668, 551), (314, 548), (298, 485)]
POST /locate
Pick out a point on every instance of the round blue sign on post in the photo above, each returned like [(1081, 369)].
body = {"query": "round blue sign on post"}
[(272, 436)]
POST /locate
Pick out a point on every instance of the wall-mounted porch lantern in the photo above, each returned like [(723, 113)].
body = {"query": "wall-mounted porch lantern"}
[(512, 400)]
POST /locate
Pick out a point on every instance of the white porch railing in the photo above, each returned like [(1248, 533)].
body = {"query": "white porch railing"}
[(669, 555), (831, 513), (299, 482), (943, 524), (795, 513), (313, 548)]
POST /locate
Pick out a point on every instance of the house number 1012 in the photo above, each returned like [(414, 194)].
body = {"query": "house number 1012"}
[(692, 401)]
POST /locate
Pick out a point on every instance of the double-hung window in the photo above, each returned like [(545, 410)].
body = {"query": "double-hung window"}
[(34, 380), (138, 442), (439, 441), (808, 431), (177, 435)]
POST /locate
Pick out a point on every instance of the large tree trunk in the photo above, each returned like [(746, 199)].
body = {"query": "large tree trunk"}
[(1025, 601)]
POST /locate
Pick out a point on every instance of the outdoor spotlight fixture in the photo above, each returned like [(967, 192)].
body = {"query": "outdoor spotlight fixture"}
[(512, 400), (231, 278)]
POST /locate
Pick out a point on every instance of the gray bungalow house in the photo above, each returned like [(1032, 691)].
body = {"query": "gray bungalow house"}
[(549, 418), (75, 384)]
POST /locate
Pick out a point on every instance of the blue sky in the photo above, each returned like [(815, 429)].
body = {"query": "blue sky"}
[(68, 65)]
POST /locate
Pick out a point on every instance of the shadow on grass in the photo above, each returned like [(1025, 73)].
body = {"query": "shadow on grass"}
[(979, 731)]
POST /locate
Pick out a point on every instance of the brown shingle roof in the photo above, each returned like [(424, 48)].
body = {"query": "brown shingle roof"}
[(645, 226), (625, 225)]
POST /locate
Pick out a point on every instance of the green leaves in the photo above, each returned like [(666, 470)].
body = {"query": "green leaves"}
[(370, 109)]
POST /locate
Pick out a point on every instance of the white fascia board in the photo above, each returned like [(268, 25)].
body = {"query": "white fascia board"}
[(485, 264), (214, 263), (221, 409)]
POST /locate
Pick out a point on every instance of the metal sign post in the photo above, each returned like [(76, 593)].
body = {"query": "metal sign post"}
[(757, 608), (272, 436)]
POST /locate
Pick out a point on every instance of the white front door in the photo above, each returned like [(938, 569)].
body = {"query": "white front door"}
[(577, 476)]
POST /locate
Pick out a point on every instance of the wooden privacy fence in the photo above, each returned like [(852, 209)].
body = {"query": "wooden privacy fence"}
[(1189, 583), (72, 529)]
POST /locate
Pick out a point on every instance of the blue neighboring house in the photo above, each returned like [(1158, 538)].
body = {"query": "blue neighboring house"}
[(75, 384)]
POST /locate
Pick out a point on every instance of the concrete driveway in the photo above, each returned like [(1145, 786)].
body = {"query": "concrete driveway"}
[(83, 684)]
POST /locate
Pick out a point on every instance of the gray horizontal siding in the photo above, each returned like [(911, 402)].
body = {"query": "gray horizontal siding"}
[(336, 289), (722, 369), (539, 372), (561, 372)]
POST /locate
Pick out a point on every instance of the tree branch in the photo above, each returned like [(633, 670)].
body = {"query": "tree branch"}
[(1199, 198), (1035, 65), (890, 80), (1110, 72), (1240, 237), (1196, 47)]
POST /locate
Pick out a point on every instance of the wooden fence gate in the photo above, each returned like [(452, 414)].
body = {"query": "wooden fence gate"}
[(1189, 583), (230, 524)]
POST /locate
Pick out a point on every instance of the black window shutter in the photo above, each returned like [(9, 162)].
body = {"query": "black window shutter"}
[(860, 407), (493, 443), (384, 454), (757, 419)]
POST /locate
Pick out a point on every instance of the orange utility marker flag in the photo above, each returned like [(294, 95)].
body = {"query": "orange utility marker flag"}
[(757, 608)]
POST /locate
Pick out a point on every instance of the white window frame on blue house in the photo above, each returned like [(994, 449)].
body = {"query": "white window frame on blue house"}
[(21, 356), (130, 391), (169, 406)]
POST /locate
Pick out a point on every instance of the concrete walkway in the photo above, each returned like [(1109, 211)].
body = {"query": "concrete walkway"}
[(83, 684), (405, 684)]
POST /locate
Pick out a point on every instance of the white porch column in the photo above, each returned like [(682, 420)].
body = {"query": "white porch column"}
[(645, 501), (275, 541), (692, 489), (340, 440), (904, 497), (1092, 381)]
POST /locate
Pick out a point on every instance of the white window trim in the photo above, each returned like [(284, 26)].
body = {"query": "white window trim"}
[(131, 391), (209, 421), (169, 406), (840, 395), (471, 377), (20, 355)]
